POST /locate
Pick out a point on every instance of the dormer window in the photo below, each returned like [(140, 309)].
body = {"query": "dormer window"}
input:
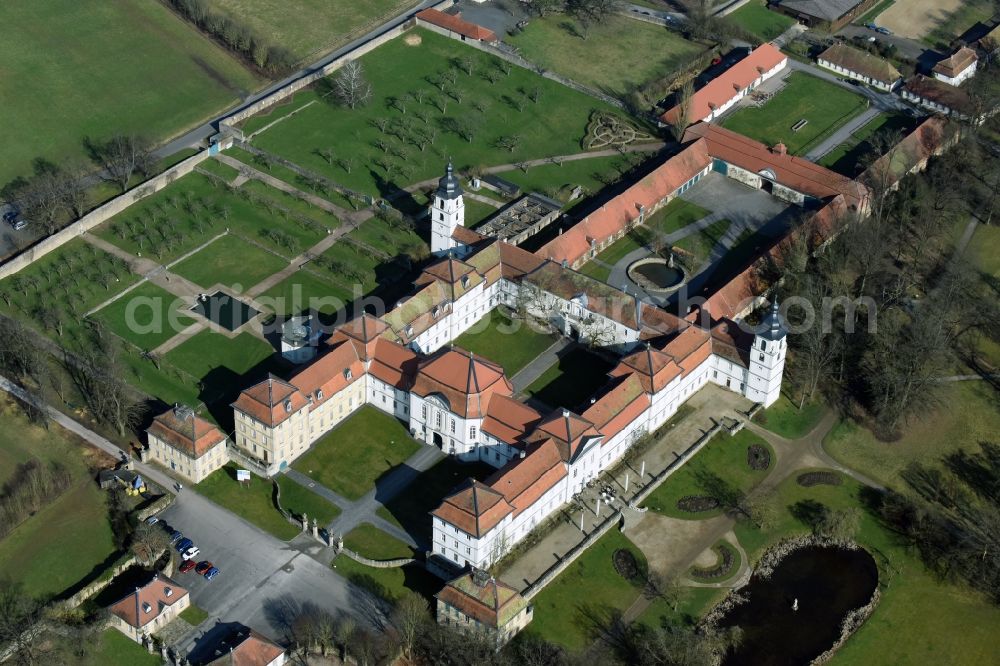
[(319, 394), (167, 592), (465, 281), (347, 373), (288, 406), (408, 330), (146, 608), (435, 311)]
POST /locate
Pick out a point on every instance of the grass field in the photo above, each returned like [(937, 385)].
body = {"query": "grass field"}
[(772, 123), (194, 615), (310, 27), (617, 56), (79, 70), (156, 313), (409, 509), (699, 245), (512, 344), (756, 18), (223, 366), (950, 25), (557, 181), (299, 500), (373, 543), (571, 380), (786, 419), (351, 458), (676, 215), (554, 125), (230, 261), (588, 589), (389, 584), (724, 457), (633, 240), (251, 502), (852, 156), (116, 649), (304, 291)]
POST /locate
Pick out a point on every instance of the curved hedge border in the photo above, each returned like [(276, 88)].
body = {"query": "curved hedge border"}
[(728, 558), (810, 479)]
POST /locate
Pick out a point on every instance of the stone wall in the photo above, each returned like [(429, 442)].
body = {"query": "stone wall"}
[(377, 564), (570, 557), (645, 491), (99, 584), (100, 215), (158, 505)]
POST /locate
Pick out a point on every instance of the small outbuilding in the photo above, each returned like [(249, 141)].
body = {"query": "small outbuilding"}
[(479, 602), (861, 66)]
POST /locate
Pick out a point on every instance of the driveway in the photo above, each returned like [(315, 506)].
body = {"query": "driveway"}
[(263, 580)]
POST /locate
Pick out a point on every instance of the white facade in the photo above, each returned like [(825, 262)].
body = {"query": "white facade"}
[(447, 213), (858, 76)]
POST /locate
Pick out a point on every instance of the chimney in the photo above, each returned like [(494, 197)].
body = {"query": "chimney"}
[(522, 454), (780, 149)]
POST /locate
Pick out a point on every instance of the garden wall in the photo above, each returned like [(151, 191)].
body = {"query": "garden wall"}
[(377, 564), (645, 491), (100, 215), (570, 557)]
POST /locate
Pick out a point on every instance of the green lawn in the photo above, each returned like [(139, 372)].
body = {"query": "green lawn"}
[(389, 584), (194, 615), (147, 316), (589, 588), (373, 543), (617, 56), (224, 171), (286, 174), (252, 502), (80, 70), (951, 26), (920, 619), (557, 181), (352, 457), (571, 380), (676, 215), (477, 212), (852, 156), (596, 270), (299, 500), (310, 27), (116, 649), (409, 509), (725, 458), (554, 125), (230, 261), (696, 573), (965, 414), (786, 419), (772, 123), (511, 343), (304, 291), (223, 365), (757, 19), (633, 240), (699, 244)]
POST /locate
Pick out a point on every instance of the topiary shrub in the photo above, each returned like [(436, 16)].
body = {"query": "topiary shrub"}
[(625, 564)]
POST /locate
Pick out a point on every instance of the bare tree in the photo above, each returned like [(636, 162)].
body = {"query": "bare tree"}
[(409, 617), (121, 157), (148, 541), (684, 97), (350, 86)]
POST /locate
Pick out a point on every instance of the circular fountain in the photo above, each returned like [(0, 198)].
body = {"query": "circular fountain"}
[(656, 274)]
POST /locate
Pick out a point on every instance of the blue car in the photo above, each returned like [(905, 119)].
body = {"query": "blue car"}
[(211, 573), (175, 535), (183, 545)]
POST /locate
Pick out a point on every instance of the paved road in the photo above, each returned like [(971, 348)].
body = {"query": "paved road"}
[(842, 134), (909, 48), (529, 373)]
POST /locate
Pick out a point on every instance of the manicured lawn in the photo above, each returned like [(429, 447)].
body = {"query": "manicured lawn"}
[(299, 500), (696, 572), (389, 584), (700, 243), (304, 291), (157, 316), (409, 509), (633, 240), (676, 215), (198, 208), (68, 282), (557, 181), (554, 125), (221, 364), (589, 588), (786, 419), (724, 458), (772, 123), (224, 171), (230, 261), (118, 650), (82, 70), (511, 343), (310, 27), (194, 615), (617, 56), (253, 502), (965, 414), (352, 457), (477, 212), (852, 156), (920, 618), (756, 18), (571, 380), (596, 270), (373, 543), (984, 249)]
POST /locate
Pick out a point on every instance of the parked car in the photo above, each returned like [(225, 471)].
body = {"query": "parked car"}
[(19, 224), (202, 567), (183, 545), (152, 520), (211, 573), (186, 566), (871, 26), (883, 31), (175, 536), (191, 553)]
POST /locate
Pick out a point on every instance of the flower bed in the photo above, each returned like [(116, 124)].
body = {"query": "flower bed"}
[(810, 479), (697, 503), (722, 569), (625, 564), (758, 457)]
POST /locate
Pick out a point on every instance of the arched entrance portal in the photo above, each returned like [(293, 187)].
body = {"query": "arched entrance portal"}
[(438, 440), (767, 186)]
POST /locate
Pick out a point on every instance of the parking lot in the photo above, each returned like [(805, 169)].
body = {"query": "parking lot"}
[(263, 582)]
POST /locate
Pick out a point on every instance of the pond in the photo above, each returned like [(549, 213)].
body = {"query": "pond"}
[(828, 582), (661, 275), (224, 310)]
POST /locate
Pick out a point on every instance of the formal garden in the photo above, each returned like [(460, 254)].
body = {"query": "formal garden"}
[(509, 342)]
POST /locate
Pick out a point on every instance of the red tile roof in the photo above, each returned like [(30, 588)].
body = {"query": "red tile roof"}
[(731, 342), (494, 603), (861, 62), (569, 431), (157, 595), (393, 364), (950, 97), (474, 508), (729, 84), (246, 647), (796, 173), (362, 331), (622, 212), (509, 420), (270, 402), (523, 481), (619, 407), (517, 262), (910, 154), (956, 63), (466, 381), (652, 367), (330, 373), (185, 431), (456, 24)]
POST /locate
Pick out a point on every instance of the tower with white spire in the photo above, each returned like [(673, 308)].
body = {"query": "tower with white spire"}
[(447, 212), (767, 358)]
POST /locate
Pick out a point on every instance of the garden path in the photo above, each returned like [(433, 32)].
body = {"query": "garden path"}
[(529, 373)]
